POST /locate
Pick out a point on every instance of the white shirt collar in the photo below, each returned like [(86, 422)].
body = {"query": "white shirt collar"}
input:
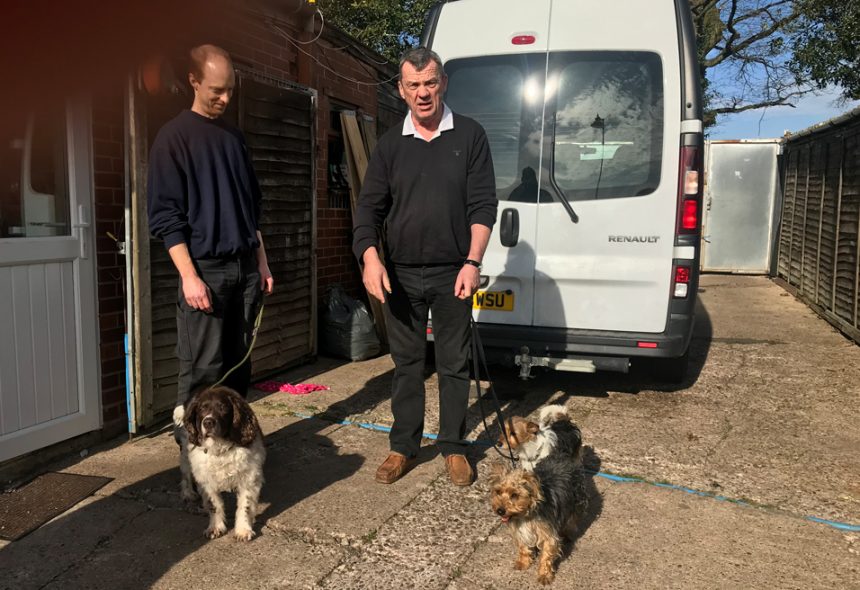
[(446, 124)]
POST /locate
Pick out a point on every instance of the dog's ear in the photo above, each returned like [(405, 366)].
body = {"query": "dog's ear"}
[(497, 473), (189, 420), (532, 428), (245, 427), (532, 484)]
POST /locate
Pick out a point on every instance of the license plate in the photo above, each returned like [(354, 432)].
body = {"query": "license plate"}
[(494, 300)]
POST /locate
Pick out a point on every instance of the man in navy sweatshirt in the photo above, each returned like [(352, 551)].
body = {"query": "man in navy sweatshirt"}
[(430, 191), (204, 203)]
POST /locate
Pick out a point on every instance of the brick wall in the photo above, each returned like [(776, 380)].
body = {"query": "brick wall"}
[(335, 262), (109, 184)]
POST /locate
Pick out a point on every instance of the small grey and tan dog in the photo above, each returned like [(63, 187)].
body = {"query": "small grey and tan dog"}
[(222, 447), (541, 507)]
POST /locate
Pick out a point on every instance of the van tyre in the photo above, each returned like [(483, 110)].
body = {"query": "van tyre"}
[(671, 370)]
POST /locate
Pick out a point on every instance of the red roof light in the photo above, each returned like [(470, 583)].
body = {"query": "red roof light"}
[(523, 39)]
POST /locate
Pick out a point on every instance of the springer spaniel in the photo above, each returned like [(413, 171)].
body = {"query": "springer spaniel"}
[(223, 449)]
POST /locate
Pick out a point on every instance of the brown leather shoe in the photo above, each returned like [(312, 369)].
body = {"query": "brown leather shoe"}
[(393, 468), (459, 471)]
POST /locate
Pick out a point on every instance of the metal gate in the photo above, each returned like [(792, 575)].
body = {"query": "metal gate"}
[(740, 196)]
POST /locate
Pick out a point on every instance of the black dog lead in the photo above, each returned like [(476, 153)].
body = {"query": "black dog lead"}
[(479, 358)]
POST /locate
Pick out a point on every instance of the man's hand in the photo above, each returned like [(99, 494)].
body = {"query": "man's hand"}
[(197, 293), (467, 281), (374, 275), (267, 283)]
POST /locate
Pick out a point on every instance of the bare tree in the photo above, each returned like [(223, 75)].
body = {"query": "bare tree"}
[(745, 53)]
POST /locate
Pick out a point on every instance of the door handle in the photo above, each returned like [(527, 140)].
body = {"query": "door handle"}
[(82, 225), (509, 231)]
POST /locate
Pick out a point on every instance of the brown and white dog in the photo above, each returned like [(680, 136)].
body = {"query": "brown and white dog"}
[(222, 447), (553, 433)]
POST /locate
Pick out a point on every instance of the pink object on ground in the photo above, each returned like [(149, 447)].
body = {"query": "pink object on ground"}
[(300, 389)]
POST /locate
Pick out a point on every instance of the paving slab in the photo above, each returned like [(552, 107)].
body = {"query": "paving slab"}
[(51, 551), (327, 488), (648, 537), (768, 415)]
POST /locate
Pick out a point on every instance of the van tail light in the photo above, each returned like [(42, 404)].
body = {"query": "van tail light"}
[(681, 282), (690, 190)]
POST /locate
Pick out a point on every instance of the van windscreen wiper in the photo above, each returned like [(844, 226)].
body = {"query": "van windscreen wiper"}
[(559, 194)]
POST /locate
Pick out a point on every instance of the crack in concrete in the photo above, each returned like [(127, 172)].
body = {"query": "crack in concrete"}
[(102, 541)]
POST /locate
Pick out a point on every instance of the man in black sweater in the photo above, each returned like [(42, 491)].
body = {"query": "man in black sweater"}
[(430, 189), (204, 202)]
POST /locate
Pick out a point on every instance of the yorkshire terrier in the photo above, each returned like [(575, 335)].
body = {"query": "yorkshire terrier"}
[(553, 433), (541, 508)]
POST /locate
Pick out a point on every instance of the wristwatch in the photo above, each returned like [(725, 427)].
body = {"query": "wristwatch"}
[(474, 263)]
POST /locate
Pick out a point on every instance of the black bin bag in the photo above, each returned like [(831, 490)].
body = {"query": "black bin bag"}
[(346, 327)]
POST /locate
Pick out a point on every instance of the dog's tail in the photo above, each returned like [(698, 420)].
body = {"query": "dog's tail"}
[(551, 414), (178, 416)]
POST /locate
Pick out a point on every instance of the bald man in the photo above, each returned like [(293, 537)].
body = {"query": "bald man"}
[(204, 203)]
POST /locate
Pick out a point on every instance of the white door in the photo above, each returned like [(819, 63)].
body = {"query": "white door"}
[(611, 151), (606, 263), (497, 78), (578, 115), (49, 388)]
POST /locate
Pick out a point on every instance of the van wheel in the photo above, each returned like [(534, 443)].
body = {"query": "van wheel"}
[(671, 370)]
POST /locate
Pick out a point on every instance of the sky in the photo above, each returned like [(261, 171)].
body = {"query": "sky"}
[(773, 122)]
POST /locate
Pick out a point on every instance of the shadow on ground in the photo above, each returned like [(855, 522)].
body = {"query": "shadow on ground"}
[(154, 532)]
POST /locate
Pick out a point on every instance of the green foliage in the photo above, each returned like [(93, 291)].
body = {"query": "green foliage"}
[(388, 26), (826, 44)]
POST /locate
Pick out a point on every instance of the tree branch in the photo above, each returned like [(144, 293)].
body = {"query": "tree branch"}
[(738, 108)]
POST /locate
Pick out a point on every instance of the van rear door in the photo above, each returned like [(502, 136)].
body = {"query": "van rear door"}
[(611, 148), (496, 75), (581, 104)]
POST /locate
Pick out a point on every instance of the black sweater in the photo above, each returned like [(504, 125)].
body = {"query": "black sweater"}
[(427, 195), (202, 188)]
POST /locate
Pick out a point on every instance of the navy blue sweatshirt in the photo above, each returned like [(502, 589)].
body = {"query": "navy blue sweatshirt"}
[(427, 195), (202, 189)]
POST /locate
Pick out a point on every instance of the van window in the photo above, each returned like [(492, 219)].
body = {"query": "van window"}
[(505, 95), (608, 131)]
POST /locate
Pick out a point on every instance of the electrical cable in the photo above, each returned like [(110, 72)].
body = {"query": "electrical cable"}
[(324, 66)]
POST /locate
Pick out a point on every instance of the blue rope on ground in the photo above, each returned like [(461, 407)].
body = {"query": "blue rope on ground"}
[(843, 526)]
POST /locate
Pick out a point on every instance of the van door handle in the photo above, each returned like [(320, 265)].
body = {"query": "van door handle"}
[(510, 227)]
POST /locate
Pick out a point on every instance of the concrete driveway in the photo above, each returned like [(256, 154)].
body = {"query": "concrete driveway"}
[(718, 483)]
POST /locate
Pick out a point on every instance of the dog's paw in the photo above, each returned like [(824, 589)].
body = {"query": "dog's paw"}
[(244, 535), (546, 578), (215, 531), (187, 494), (522, 563)]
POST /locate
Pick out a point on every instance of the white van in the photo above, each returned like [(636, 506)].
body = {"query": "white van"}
[(594, 116)]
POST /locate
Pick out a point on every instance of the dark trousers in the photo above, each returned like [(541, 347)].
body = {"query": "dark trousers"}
[(210, 344), (415, 290)]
